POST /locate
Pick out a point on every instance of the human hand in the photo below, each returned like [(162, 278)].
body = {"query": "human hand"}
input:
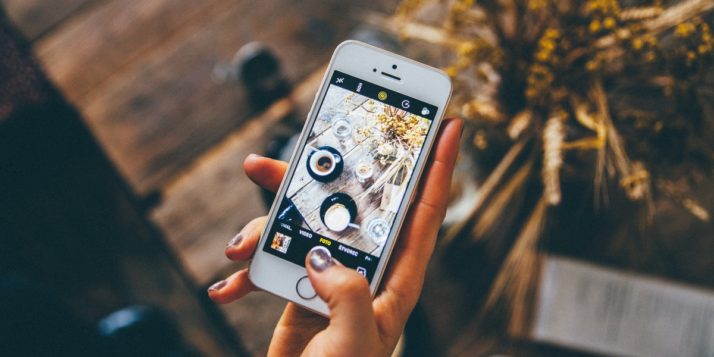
[(358, 325)]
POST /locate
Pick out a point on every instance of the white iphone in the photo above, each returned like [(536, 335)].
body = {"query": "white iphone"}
[(354, 171)]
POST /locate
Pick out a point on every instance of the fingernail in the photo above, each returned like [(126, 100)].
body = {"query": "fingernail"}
[(320, 258), (217, 286), (463, 125), (235, 241)]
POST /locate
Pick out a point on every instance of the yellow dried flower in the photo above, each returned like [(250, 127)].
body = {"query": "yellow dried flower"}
[(603, 15), (609, 23), (695, 43), (451, 71), (540, 75), (604, 7), (462, 5), (407, 7), (685, 29), (638, 44), (466, 48), (643, 44), (402, 128), (536, 5)]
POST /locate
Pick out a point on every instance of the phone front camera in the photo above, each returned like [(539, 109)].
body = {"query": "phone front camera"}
[(394, 66), (374, 70)]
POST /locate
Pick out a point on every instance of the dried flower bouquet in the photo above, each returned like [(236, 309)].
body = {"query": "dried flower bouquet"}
[(609, 91)]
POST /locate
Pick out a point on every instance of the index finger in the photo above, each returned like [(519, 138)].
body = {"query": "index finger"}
[(265, 172)]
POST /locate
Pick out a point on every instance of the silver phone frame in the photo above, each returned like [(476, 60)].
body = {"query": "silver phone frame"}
[(279, 276)]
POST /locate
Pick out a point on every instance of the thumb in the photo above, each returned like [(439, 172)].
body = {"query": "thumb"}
[(345, 291)]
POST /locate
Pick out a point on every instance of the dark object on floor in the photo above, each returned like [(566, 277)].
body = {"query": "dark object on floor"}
[(142, 331), (259, 70)]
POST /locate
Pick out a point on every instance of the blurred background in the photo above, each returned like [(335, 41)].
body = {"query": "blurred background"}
[(580, 217)]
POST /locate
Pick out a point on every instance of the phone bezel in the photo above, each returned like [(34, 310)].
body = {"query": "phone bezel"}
[(422, 82)]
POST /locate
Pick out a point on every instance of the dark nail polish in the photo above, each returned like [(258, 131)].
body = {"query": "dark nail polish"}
[(320, 258), (235, 241), (217, 286)]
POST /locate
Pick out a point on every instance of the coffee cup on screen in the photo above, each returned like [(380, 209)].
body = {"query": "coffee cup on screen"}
[(338, 211), (337, 217), (323, 162)]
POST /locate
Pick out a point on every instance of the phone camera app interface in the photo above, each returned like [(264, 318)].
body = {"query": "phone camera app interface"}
[(352, 174)]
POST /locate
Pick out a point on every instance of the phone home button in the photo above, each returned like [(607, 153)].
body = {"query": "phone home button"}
[(304, 288)]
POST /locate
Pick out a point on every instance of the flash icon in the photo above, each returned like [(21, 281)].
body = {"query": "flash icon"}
[(382, 95)]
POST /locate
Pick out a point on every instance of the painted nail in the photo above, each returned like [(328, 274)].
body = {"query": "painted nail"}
[(235, 241), (320, 258), (217, 286)]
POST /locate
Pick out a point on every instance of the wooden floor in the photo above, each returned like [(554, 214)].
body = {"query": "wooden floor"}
[(140, 72)]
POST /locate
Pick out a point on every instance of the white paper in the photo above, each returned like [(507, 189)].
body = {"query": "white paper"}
[(586, 307)]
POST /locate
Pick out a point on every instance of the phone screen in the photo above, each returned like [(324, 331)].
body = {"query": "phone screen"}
[(351, 175)]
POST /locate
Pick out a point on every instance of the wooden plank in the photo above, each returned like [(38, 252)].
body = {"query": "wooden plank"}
[(36, 17), (89, 49), (213, 199), (160, 112)]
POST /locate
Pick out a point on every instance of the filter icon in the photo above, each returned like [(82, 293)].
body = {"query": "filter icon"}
[(425, 111)]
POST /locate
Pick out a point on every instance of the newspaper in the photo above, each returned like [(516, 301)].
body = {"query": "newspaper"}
[(590, 308)]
